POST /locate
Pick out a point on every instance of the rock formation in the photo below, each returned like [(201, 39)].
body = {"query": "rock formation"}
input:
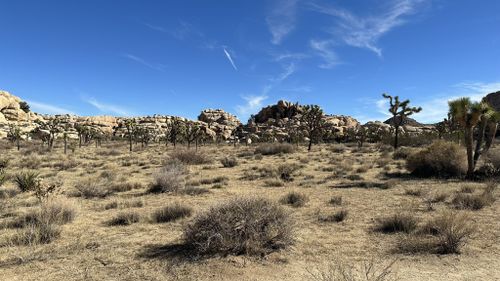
[(494, 100)]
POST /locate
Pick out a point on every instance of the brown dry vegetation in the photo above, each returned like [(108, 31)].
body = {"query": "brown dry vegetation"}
[(122, 216)]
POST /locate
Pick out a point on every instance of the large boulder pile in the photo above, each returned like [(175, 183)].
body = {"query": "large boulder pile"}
[(494, 100), (12, 113)]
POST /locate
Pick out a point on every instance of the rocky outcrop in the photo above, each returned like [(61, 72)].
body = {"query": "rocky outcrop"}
[(406, 121), (494, 100), (281, 110)]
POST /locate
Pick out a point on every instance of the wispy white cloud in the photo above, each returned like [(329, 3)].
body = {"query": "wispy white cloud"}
[(107, 108), (324, 48), (230, 59), (46, 108), (289, 56), (288, 70), (282, 19), (252, 105), (155, 66), (365, 31), (155, 27)]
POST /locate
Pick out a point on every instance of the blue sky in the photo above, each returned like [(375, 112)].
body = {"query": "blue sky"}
[(104, 57)]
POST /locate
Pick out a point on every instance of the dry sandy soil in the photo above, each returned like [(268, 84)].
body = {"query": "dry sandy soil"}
[(89, 249)]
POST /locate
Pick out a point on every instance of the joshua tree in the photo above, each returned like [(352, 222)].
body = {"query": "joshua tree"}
[(294, 132), (131, 126), (84, 133), (15, 135), (192, 133), (52, 127), (469, 115), (312, 123), (399, 110), (177, 130), (144, 135), (65, 137)]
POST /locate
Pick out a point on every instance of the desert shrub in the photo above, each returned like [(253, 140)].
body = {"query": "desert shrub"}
[(170, 178), (4, 163), (92, 188), (475, 201), (399, 222), (171, 213), (7, 192), (444, 234), (366, 271), (193, 190), (111, 205), (402, 153), (190, 157), (294, 199), (240, 226), (229, 162), (440, 159), (124, 218), (3, 177), (66, 164), (274, 148), (338, 216), (414, 192), (26, 181), (219, 179), (338, 148), (335, 200), (51, 212), (133, 204), (125, 186), (37, 233), (285, 171)]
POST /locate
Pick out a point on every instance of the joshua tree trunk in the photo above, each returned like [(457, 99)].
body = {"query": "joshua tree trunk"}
[(480, 138), (18, 141), (310, 144), (396, 138), (490, 135), (65, 144), (469, 141)]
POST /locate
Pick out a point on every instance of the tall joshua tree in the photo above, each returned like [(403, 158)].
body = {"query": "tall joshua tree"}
[(177, 130), (131, 126), (193, 133), (15, 135), (470, 115), (399, 110), (312, 123)]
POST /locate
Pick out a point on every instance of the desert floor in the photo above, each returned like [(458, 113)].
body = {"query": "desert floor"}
[(89, 249)]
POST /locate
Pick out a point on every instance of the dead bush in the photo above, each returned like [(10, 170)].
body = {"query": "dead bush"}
[(190, 157), (171, 213), (170, 178), (370, 270), (441, 159), (274, 148), (124, 218), (253, 226), (294, 199), (444, 234), (399, 222)]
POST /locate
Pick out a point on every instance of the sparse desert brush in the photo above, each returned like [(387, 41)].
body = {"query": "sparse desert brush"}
[(27, 180), (92, 188), (219, 179), (274, 148), (66, 164), (402, 153), (338, 148), (417, 192), (335, 200), (4, 177), (32, 162), (125, 186), (194, 190), (444, 234), (294, 199), (471, 201), (171, 213), (124, 218), (398, 222), (191, 157), (36, 233), (337, 216), (372, 270), (4, 163), (274, 183), (253, 226), (8, 192), (56, 211), (285, 171), (170, 178), (440, 159), (229, 162)]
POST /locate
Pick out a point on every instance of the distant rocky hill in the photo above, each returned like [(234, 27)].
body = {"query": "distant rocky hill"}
[(406, 122), (494, 100), (272, 122)]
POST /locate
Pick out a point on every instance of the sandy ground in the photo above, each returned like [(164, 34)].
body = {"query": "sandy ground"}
[(91, 250)]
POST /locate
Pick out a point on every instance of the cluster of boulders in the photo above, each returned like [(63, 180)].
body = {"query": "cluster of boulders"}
[(271, 123)]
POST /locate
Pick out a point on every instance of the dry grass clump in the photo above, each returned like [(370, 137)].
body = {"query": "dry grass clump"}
[(441, 159), (338, 216), (469, 201), (124, 218), (294, 199), (125, 186), (402, 153), (219, 179), (170, 178), (274, 183), (254, 226), (190, 157), (399, 222), (444, 234), (26, 181), (414, 192), (229, 162), (92, 188), (193, 190), (366, 271), (274, 148), (335, 200), (171, 213), (41, 226)]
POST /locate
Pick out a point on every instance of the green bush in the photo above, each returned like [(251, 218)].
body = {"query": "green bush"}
[(27, 181), (441, 159)]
